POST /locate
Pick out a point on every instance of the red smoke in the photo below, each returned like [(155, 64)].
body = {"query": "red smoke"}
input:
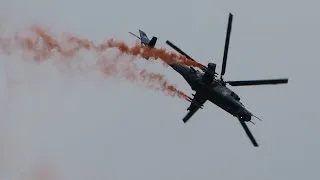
[(42, 46), (75, 44), (133, 74)]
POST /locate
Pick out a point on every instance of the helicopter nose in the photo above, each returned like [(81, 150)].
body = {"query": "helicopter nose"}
[(244, 114)]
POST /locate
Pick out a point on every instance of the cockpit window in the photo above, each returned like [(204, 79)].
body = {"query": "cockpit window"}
[(235, 96)]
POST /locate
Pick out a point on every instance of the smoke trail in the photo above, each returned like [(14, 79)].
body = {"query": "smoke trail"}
[(43, 46), (72, 45), (132, 73)]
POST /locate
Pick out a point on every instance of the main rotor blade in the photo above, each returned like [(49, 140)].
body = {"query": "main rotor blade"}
[(246, 129), (179, 50), (258, 82), (226, 46)]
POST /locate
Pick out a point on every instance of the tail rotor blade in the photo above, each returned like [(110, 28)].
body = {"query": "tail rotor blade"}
[(226, 47), (134, 35)]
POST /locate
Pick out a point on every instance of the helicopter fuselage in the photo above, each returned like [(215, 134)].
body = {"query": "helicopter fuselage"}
[(216, 92), (210, 88)]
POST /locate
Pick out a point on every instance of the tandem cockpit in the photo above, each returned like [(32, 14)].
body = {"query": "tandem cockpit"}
[(235, 96)]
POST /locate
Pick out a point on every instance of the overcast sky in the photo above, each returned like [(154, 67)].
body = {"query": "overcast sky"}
[(87, 127)]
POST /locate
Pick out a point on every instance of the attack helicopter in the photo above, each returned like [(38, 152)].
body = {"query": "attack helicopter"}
[(208, 87)]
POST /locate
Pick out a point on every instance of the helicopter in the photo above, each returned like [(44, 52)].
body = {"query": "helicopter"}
[(208, 87)]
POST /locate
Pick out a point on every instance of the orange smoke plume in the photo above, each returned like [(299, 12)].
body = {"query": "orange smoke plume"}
[(132, 73), (75, 44), (44, 45)]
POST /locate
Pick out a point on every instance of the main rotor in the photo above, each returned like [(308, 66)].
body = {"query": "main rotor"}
[(224, 63), (226, 47)]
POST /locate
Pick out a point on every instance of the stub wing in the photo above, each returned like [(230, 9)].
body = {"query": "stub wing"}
[(197, 102)]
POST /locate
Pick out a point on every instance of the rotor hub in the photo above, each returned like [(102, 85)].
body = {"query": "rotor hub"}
[(212, 67)]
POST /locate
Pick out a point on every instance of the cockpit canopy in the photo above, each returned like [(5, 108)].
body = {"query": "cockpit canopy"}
[(235, 96)]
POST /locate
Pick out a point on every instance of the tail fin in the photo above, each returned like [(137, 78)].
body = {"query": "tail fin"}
[(153, 41)]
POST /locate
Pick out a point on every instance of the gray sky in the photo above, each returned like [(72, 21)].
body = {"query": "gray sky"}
[(88, 127)]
